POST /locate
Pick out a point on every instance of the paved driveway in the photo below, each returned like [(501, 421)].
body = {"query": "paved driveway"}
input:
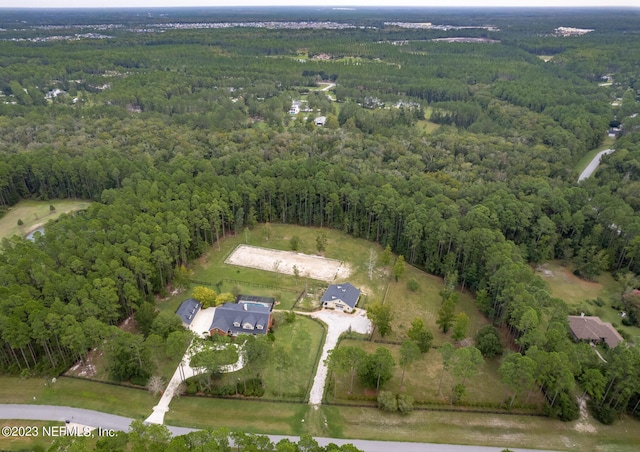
[(337, 322)]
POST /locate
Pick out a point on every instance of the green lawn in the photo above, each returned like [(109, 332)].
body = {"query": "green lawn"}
[(425, 426), (584, 161), (425, 303), (78, 393), (303, 341), (24, 443), (422, 379), (36, 213)]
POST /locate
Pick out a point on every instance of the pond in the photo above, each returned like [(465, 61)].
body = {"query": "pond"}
[(30, 236)]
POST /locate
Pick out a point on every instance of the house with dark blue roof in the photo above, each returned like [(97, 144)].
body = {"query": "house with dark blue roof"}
[(187, 311), (245, 317), (341, 297)]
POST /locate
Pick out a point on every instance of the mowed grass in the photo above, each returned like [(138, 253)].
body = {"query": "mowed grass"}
[(581, 295), (422, 381), (489, 430), (211, 268), (35, 214), (28, 443), (112, 399), (425, 303), (302, 340), (420, 426)]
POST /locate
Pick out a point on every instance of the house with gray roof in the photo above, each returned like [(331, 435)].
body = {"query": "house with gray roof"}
[(592, 329), (341, 297), (187, 311), (241, 318)]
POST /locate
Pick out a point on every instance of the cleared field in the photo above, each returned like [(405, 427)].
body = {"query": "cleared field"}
[(315, 267), (35, 214), (424, 303)]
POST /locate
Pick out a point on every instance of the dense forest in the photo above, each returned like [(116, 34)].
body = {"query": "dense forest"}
[(183, 136)]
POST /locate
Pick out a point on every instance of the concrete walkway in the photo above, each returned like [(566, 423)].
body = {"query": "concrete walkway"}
[(337, 323)]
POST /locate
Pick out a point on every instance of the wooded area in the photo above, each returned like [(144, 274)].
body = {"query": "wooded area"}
[(182, 137)]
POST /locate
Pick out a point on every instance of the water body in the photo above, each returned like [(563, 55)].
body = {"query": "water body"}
[(30, 236)]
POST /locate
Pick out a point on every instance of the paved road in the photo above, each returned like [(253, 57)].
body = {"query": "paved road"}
[(109, 421), (591, 167)]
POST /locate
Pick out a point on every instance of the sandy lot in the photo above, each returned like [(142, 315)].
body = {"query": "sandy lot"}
[(315, 267)]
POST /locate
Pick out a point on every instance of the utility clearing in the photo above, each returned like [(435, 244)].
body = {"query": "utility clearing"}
[(286, 262)]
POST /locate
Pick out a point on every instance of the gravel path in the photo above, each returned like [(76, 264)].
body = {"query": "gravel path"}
[(337, 323)]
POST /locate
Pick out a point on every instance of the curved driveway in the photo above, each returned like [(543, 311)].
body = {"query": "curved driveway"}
[(593, 164), (110, 421)]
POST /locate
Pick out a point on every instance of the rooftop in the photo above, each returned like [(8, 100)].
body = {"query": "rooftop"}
[(593, 329), (188, 310)]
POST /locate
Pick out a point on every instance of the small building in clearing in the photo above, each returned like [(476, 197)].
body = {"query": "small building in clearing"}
[(187, 311), (320, 121), (341, 297), (592, 329)]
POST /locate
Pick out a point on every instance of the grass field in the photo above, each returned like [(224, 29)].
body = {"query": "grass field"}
[(422, 379), (584, 161), (24, 443), (35, 214), (425, 303), (302, 339), (425, 426), (79, 394)]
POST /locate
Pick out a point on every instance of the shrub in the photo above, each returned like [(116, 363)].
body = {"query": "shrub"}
[(294, 243), (387, 401), (192, 388), (139, 380), (488, 341), (20, 222), (405, 403), (52, 208), (254, 388), (604, 414), (566, 408), (413, 285)]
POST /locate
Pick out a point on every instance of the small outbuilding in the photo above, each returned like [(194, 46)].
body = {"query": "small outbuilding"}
[(592, 329), (187, 311), (341, 297), (320, 121)]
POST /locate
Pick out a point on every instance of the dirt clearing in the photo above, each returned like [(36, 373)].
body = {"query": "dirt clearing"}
[(315, 267)]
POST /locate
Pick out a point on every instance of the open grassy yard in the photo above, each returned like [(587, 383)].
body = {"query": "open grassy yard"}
[(490, 430), (35, 214), (212, 269), (24, 443), (422, 380), (80, 394), (425, 302), (424, 426)]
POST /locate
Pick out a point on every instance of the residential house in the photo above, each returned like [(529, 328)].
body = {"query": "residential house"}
[(295, 107), (187, 311), (248, 315), (320, 121), (592, 329), (341, 297)]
